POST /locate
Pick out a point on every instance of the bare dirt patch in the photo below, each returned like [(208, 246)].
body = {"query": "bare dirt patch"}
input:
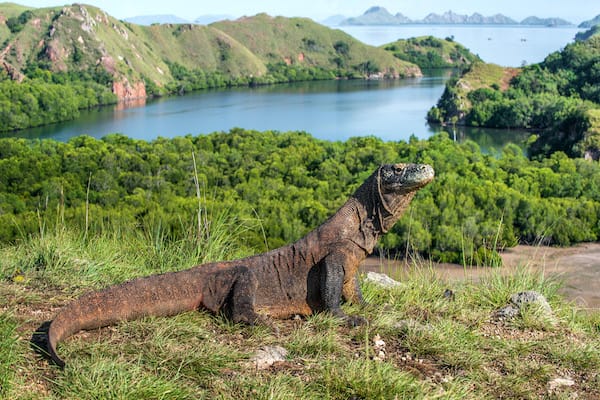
[(509, 74), (578, 267)]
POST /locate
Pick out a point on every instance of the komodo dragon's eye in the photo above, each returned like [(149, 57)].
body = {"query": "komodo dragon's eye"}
[(398, 168), (391, 172)]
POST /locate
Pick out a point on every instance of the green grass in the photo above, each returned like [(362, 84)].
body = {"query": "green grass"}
[(483, 75), (8, 352), (433, 347)]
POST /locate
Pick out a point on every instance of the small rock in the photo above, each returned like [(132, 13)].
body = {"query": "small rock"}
[(378, 348), (378, 342), (268, 355), (406, 325), (381, 280), (530, 297), (520, 300), (559, 382), (448, 294), (507, 312)]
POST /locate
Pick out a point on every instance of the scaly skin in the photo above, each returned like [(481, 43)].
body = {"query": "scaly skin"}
[(311, 275)]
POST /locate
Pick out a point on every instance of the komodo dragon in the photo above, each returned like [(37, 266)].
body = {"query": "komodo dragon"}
[(311, 275)]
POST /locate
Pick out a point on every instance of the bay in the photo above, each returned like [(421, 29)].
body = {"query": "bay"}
[(331, 110), (506, 45)]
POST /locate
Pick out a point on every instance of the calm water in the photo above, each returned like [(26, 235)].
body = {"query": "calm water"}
[(510, 46), (332, 110)]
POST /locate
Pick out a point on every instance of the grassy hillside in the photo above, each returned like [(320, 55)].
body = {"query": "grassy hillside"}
[(555, 99), (198, 46), (12, 9), (8, 10), (419, 344), (301, 40), (431, 52), (81, 37), (455, 104)]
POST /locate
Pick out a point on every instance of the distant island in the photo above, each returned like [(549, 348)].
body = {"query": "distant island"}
[(381, 16)]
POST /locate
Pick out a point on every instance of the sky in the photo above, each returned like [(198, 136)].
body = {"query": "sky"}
[(574, 11)]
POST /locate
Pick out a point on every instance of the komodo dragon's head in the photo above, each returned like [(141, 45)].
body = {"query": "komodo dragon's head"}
[(396, 185), (404, 178)]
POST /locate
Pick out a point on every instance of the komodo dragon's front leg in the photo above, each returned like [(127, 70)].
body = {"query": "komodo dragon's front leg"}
[(334, 271), (352, 293)]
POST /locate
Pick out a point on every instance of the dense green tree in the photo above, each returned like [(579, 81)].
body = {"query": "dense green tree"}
[(289, 183), (40, 101)]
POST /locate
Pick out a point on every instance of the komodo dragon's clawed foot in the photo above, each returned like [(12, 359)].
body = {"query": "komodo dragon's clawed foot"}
[(355, 320), (256, 319), (350, 320), (267, 321)]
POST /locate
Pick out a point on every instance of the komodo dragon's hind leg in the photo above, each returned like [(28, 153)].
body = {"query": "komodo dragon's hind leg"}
[(240, 304)]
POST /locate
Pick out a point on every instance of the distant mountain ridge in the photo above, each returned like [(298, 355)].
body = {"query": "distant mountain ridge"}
[(210, 18), (156, 19), (381, 16), (161, 19), (545, 21), (377, 16), (590, 23), (450, 17)]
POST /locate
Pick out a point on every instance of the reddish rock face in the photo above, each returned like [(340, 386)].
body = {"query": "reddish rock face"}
[(126, 91)]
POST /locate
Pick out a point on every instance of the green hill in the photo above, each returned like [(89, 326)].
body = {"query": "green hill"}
[(557, 100), (431, 52), (56, 61), (301, 40), (83, 38)]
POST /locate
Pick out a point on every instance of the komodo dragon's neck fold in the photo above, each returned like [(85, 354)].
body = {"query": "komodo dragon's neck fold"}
[(382, 214), (376, 215)]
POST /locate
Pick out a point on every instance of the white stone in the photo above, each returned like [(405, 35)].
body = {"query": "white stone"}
[(381, 279), (268, 355)]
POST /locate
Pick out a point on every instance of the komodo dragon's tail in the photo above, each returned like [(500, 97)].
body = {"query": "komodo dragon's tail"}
[(158, 295)]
